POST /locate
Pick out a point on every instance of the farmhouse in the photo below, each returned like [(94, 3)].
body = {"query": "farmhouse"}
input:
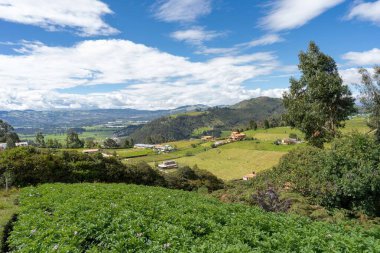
[(207, 138), (289, 141), (168, 165), (3, 146), (163, 148), (144, 146), (22, 144), (249, 176), (236, 136), (90, 151)]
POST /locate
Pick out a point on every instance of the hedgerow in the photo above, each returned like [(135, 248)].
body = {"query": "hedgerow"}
[(129, 218)]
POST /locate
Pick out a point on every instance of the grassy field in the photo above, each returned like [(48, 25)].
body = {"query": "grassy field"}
[(233, 161), (98, 134), (7, 208)]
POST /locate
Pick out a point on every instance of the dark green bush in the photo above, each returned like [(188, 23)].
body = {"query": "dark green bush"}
[(345, 176)]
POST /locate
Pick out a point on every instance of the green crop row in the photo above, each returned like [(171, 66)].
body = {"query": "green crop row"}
[(129, 218)]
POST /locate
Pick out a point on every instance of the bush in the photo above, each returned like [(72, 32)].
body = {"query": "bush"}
[(30, 166), (345, 176)]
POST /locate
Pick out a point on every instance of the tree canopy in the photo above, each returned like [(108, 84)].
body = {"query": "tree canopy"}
[(370, 98), (318, 102)]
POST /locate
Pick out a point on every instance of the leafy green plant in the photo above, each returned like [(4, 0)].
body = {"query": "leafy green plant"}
[(130, 218)]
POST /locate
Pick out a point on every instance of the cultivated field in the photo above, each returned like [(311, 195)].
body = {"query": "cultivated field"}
[(130, 218)]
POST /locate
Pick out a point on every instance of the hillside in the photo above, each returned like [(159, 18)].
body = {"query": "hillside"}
[(211, 121), (129, 218)]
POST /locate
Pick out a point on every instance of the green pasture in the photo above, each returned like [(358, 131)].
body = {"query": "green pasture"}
[(7, 208)]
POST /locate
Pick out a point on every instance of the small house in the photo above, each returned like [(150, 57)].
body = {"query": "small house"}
[(289, 141), (22, 144), (249, 176), (90, 151), (144, 146), (163, 148), (168, 165), (236, 136), (3, 146), (207, 138)]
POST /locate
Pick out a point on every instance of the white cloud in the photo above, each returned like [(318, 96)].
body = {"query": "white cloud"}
[(290, 14), (267, 39), (182, 10), (368, 11), (83, 16), (154, 79), (195, 35), (371, 57)]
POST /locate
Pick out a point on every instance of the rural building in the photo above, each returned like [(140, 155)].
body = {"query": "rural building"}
[(236, 136), (249, 176), (168, 165), (3, 146), (289, 141), (207, 138), (22, 144), (90, 151), (163, 148), (219, 143), (144, 146)]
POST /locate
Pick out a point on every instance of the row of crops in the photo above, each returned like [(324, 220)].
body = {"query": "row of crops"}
[(129, 218)]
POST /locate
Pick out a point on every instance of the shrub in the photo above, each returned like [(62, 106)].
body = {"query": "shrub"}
[(345, 176)]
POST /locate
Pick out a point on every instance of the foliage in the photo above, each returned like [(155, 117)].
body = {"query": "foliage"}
[(345, 176), (7, 134), (266, 124), (40, 140), (30, 166), (128, 218), (192, 179), (370, 98), (318, 102), (110, 143), (73, 141)]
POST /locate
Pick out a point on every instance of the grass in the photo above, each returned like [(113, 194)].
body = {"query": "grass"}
[(187, 114), (98, 135), (7, 207), (231, 162)]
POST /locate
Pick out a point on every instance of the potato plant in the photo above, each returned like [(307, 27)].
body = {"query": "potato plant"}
[(129, 218)]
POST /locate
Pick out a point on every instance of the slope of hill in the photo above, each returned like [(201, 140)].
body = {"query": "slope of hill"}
[(130, 218), (214, 119)]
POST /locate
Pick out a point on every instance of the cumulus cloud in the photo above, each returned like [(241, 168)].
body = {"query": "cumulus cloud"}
[(290, 14), (82, 16), (195, 35), (371, 57), (181, 10), (367, 11), (154, 79)]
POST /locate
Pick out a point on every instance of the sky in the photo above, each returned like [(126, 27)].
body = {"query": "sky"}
[(161, 54)]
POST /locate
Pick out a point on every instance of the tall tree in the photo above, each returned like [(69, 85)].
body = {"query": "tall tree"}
[(319, 102), (40, 140), (73, 141), (7, 134), (370, 98), (252, 125), (266, 124)]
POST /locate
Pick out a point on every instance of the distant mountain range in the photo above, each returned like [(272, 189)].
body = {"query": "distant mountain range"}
[(48, 121)]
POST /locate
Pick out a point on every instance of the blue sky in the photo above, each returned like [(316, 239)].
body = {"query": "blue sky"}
[(154, 54)]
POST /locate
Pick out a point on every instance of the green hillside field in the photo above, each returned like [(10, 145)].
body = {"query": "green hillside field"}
[(129, 218)]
